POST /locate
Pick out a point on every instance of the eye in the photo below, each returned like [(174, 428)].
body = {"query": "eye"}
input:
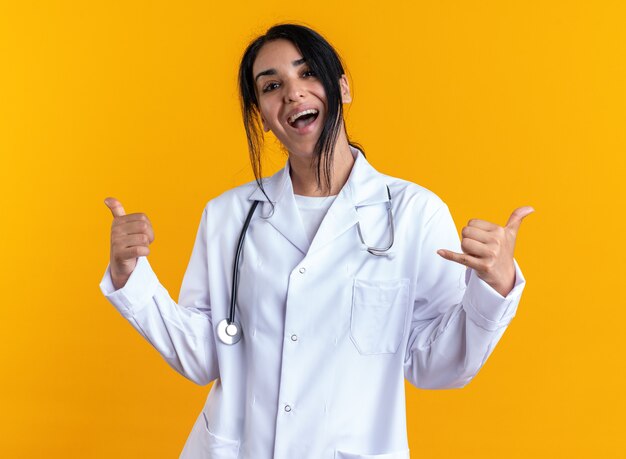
[(270, 87), (308, 73)]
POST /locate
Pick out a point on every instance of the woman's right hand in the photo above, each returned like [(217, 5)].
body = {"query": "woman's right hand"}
[(130, 237)]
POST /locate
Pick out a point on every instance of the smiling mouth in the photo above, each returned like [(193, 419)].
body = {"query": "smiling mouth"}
[(303, 118)]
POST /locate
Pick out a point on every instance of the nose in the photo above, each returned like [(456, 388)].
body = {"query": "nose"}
[(294, 91)]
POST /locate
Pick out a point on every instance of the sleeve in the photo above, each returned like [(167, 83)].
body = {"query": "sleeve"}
[(182, 333), (457, 317)]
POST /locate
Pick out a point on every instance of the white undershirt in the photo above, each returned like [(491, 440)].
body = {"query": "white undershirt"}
[(312, 211)]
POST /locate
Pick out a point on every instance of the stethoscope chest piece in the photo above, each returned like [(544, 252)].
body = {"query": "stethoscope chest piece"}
[(228, 332)]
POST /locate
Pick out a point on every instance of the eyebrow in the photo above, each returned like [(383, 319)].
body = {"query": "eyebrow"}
[(295, 63)]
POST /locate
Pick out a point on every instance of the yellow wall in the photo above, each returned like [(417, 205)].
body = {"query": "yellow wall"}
[(491, 104)]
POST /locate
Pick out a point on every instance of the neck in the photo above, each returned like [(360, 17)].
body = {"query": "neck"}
[(304, 171)]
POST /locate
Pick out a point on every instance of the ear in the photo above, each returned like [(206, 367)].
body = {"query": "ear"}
[(345, 90)]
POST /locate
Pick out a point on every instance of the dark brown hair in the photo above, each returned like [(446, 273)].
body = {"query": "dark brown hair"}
[(326, 65)]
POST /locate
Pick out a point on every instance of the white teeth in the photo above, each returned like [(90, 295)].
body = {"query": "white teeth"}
[(310, 111)]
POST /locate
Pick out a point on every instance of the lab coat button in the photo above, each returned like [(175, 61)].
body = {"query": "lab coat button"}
[(287, 408), (294, 337), (302, 270)]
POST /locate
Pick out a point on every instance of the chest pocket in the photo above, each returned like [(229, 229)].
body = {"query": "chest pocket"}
[(378, 315)]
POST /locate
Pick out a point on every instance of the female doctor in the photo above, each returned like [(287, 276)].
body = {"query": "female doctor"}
[(346, 281)]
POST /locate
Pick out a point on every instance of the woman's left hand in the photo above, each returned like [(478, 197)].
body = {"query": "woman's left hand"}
[(488, 250)]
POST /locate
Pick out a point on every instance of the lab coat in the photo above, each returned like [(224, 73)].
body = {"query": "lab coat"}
[(330, 331)]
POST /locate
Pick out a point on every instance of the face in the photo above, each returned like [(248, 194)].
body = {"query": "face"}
[(292, 100)]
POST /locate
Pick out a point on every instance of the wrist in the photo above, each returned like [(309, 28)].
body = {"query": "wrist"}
[(504, 287), (119, 280)]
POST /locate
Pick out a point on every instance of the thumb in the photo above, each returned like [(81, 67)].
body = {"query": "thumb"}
[(515, 220), (116, 207)]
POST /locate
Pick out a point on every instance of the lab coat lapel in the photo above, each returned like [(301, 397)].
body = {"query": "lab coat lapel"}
[(341, 216), (365, 186), (285, 217)]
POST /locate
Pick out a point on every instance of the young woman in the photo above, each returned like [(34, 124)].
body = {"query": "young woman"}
[(312, 294)]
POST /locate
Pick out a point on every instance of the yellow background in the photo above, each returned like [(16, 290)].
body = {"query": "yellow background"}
[(491, 104)]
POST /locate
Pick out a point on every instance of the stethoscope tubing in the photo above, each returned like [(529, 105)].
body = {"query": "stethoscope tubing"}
[(381, 251), (229, 332), (242, 236)]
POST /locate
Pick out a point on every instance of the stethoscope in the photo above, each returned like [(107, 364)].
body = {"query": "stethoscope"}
[(228, 330)]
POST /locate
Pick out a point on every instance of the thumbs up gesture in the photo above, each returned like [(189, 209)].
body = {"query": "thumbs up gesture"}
[(130, 237), (488, 249)]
